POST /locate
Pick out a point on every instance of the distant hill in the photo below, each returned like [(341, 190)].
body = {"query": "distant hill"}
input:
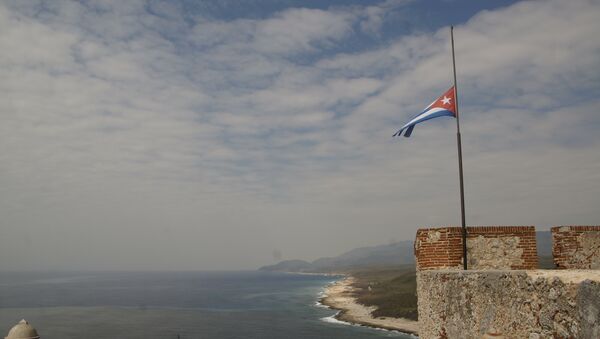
[(399, 253)]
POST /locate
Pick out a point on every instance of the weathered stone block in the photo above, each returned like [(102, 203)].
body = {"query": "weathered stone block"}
[(509, 304), (576, 247)]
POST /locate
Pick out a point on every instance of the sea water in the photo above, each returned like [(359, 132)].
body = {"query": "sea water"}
[(211, 305)]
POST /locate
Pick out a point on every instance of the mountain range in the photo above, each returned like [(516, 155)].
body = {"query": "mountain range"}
[(395, 254)]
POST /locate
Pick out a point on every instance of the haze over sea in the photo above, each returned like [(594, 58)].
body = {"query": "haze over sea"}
[(216, 305)]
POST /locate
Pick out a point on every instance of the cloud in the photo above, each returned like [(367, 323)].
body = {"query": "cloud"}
[(301, 30), (131, 127), (373, 17)]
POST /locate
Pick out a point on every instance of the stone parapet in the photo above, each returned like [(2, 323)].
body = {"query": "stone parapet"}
[(488, 247), (576, 247), (509, 304)]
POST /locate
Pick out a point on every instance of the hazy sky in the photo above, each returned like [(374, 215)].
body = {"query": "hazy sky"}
[(213, 134)]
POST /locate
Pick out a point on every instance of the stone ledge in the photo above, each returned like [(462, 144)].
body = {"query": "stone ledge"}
[(509, 304)]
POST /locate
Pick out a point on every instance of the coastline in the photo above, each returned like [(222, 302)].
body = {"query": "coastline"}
[(340, 296)]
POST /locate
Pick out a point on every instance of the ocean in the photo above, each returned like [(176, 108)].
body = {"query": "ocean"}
[(211, 305)]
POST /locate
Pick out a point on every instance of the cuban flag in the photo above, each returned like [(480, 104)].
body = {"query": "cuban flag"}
[(444, 105)]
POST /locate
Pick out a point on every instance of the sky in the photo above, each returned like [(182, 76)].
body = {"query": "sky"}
[(225, 135)]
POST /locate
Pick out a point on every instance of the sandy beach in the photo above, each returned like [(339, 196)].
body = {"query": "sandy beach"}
[(340, 296)]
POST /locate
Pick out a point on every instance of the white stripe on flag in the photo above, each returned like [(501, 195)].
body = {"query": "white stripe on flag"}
[(424, 115)]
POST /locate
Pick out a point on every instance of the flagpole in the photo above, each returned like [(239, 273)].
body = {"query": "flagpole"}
[(460, 165)]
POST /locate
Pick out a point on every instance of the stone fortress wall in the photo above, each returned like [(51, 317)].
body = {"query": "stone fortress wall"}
[(503, 295), (489, 247), (576, 247)]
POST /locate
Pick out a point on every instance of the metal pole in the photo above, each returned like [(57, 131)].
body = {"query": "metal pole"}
[(460, 165)]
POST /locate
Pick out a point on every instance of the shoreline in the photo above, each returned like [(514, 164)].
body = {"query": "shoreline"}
[(339, 296)]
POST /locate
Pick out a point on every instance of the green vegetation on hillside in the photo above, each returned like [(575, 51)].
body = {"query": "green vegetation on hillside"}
[(392, 290)]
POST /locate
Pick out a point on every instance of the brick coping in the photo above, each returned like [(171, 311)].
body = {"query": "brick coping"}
[(575, 228), (480, 229)]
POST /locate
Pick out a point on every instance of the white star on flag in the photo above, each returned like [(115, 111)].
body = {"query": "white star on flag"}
[(444, 105)]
